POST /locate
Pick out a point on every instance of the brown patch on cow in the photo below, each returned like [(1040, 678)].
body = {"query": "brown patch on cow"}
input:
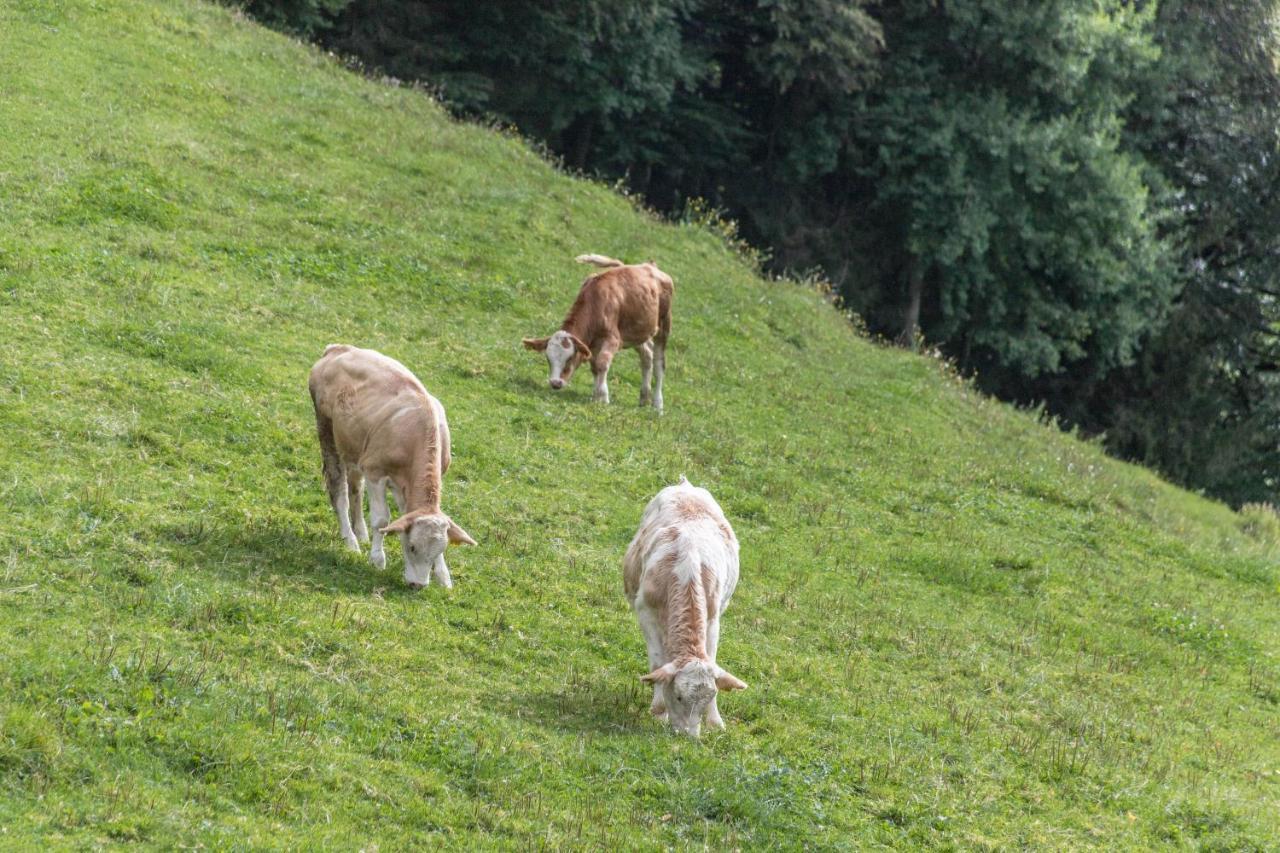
[(656, 588), (633, 566), (711, 589), (689, 508), (686, 621), (343, 400), (726, 530), (681, 607), (633, 562), (624, 306)]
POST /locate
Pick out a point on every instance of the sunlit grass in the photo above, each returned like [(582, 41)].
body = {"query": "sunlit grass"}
[(959, 626)]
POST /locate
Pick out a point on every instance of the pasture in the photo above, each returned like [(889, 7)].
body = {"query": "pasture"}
[(960, 627)]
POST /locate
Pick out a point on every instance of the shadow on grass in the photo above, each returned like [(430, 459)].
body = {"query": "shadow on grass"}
[(582, 707), (579, 391), (242, 551)]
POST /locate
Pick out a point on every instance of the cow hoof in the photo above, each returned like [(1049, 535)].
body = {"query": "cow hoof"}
[(379, 560), (415, 586), (353, 545)]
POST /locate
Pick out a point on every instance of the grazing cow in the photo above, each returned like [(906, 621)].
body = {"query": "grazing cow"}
[(627, 305), (377, 422), (678, 575)]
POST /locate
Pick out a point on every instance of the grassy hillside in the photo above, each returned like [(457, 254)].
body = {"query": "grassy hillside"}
[(960, 627)]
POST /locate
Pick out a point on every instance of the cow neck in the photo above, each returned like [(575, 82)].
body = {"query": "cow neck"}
[(422, 491), (575, 323), (687, 620)]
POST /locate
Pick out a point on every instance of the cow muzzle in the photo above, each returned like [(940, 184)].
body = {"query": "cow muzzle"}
[(556, 384), (693, 730)]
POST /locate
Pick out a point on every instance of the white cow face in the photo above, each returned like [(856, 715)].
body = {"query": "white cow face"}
[(564, 353), (423, 538), (688, 691)]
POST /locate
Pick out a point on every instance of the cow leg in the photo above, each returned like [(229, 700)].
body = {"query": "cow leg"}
[(652, 631), (600, 367), (713, 641), (335, 480), (355, 502), (646, 371), (659, 370), (379, 517), (441, 571)]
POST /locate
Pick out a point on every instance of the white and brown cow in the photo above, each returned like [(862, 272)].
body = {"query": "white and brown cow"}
[(377, 422), (678, 575), (627, 305)]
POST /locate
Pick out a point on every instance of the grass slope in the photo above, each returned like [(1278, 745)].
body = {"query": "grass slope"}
[(960, 627)]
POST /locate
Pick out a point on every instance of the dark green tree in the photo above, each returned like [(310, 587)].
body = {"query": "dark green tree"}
[(569, 72), (787, 73), (1202, 402), (304, 17), (1019, 224)]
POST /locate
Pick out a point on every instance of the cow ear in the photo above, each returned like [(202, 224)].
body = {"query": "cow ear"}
[(458, 536), (400, 525), (536, 344), (662, 674), (725, 681), (580, 348)]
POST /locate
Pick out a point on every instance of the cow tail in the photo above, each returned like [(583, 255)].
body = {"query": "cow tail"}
[(599, 260)]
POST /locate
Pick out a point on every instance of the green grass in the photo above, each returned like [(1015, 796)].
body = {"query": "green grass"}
[(960, 627)]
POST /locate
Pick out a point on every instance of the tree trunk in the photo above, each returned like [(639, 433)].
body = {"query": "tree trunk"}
[(580, 142), (644, 179), (915, 290)]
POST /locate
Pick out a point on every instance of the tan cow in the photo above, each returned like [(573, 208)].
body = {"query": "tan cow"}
[(377, 422), (627, 305), (678, 575)]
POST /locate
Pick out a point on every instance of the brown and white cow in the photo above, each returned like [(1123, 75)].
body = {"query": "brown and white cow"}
[(377, 422), (627, 305), (678, 575)]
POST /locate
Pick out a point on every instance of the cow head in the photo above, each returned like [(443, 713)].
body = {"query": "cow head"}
[(688, 690), (423, 537), (564, 352)]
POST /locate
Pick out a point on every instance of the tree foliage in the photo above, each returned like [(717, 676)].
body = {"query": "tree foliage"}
[(572, 72), (1202, 402), (1020, 223), (306, 17)]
